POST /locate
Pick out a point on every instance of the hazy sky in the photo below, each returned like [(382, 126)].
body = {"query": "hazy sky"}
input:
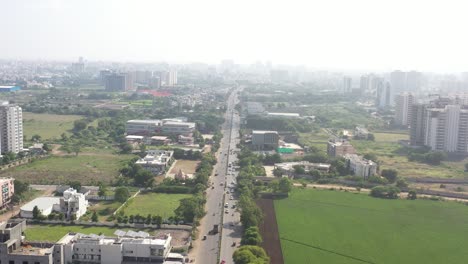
[(348, 34)]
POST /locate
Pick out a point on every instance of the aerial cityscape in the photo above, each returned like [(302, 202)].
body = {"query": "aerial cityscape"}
[(215, 132)]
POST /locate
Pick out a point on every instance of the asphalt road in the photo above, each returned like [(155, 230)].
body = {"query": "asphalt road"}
[(208, 250)]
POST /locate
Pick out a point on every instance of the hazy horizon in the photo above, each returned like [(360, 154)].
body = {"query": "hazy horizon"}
[(353, 35)]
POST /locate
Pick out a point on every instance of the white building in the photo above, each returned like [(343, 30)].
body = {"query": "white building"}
[(384, 94), (127, 247), (446, 129), (288, 167), (11, 128), (156, 160), (143, 127), (347, 84), (72, 203), (177, 127), (403, 105), (265, 139), (361, 132), (360, 166)]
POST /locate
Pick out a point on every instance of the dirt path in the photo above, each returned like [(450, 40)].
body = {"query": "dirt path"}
[(269, 231), (363, 190)]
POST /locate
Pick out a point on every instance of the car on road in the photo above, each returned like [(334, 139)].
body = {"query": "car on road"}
[(226, 205), (227, 211), (204, 237)]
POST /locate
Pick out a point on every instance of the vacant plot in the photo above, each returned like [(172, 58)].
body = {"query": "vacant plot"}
[(338, 227), (103, 209), (47, 125), (87, 169), (269, 231), (187, 166), (155, 203), (390, 137), (392, 155), (316, 139), (53, 233)]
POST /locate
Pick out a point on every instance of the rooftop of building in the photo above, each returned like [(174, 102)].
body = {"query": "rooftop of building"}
[(290, 165), (259, 132), (42, 203), (284, 114), (138, 121), (179, 123), (34, 249), (121, 237), (359, 159)]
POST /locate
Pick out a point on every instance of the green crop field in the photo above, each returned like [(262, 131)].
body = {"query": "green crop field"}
[(338, 227), (154, 203), (47, 125), (87, 168), (52, 233)]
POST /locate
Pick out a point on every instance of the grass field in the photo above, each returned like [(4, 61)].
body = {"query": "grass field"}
[(392, 156), (154, 203), (187, 166), (53, 233), (86, 168), (318, 140), (338, 227), (47, 125), (103, 209)]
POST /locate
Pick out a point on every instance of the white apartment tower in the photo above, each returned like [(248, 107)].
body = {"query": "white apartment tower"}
[(11, 128), (403, 104), (347, 84)]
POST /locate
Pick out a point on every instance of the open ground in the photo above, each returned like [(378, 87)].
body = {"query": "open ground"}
[(47, 126), (322, 226), (187, 166), (87, 168), (161, 204)]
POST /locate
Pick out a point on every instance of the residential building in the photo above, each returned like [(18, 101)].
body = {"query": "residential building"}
[(384, 94), (360, 166), (156, 160), (11, 128), (143, 127), (72, 204), (417, 125), (130, 81), (289, 167), (124, 248), (347, 84), (115, 82), (265, 139), (397, 83), (155, 82), (143, 76), (8, 190), (337, 148), (446, 129), (403, 104)]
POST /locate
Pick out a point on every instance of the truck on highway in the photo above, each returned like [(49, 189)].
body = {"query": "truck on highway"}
[(215, 230)]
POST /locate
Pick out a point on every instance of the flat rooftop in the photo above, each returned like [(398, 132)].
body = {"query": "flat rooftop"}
[(43, 203)]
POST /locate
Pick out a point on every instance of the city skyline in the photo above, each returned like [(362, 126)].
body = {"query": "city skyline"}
[(363, 35)]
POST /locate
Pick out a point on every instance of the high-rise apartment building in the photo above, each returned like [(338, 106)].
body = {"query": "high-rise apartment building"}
[(417, 124), (442, 127), (383, 92), (115, 82), (11, 128), (403, 103), (347, 82)]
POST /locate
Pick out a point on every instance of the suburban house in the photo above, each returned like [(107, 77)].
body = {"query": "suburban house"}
[(72, 204), (156, 160)]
